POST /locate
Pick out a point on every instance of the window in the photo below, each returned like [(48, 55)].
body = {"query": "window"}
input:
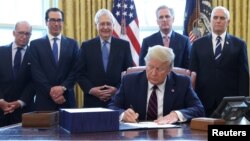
[(147, 18), (12, 11)]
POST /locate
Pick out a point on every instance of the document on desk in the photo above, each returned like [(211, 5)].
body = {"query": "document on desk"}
[(144, 125)]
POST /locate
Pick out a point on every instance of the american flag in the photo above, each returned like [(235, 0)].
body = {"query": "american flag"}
[(127, 25), (192, 36), (197, 15)]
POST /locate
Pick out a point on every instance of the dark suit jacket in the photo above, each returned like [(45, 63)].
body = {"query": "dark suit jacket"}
[(178, 95), (46, 73), (228, 77), (92, 72), (19, 88), (179, 43)]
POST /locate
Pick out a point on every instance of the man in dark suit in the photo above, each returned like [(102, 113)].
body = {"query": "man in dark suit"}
[(175, 98), (98, 82), (16, 90), (167, 37), (221, 64), (53, 61)]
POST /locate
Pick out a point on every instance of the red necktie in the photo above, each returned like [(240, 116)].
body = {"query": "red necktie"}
[(152, 111)]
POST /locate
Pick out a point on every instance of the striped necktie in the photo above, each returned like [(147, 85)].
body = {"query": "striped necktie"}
[(152, 111), (218, 48)]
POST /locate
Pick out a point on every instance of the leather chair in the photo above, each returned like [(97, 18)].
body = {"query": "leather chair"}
[(178, 70)]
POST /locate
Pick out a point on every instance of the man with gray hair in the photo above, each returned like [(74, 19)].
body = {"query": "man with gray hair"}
[(167, 37), (16, 90), (102, 60), (220, 61), (157, 94)]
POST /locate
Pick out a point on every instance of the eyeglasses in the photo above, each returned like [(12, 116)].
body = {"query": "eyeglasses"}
[(52, 20), (21, 33)]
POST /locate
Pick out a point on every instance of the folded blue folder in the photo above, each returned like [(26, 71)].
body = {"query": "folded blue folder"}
[(89, 120)]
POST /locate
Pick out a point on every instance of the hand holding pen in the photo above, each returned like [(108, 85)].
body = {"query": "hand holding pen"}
[(130, 115)]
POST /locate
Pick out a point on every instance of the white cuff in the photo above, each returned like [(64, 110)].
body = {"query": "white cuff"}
[(121, 116), (21, 103), (180, 116)]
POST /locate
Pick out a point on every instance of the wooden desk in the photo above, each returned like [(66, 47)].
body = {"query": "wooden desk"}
[(17, 132)]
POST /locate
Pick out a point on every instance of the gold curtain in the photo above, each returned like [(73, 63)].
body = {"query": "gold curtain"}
[(79, 24), (79, 21), (239, 18)]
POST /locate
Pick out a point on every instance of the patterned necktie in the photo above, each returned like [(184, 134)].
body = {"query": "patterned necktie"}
[(152, 105), (17, 61), (105, 54), (55, 49), (166, 41), (218, 48)]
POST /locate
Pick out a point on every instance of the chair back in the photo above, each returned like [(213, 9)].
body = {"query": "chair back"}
[(177, 70)]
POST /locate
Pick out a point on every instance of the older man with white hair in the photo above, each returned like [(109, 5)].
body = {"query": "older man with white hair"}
[(157, 94), (220, 61)]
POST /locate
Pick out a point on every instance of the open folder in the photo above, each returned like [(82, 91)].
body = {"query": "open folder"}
[(144, 125)]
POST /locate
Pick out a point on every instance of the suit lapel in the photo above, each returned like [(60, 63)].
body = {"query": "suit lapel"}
[(63, 50), (48, 49), (209, 47), (226, 47), (114, 49), (169, 94), (97, 48), (172, 40), (9, 59), (142, 104), (26, 57), (159, 39)]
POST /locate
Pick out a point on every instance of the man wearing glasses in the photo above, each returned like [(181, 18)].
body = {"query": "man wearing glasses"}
[(16, 90), (53, 61)]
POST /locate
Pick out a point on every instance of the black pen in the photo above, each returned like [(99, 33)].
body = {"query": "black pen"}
[(131, 106)]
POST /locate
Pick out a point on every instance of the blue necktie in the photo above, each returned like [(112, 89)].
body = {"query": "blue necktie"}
[(105, 55), (152, 105), (55, 50), (17, 61), (218, 48)]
